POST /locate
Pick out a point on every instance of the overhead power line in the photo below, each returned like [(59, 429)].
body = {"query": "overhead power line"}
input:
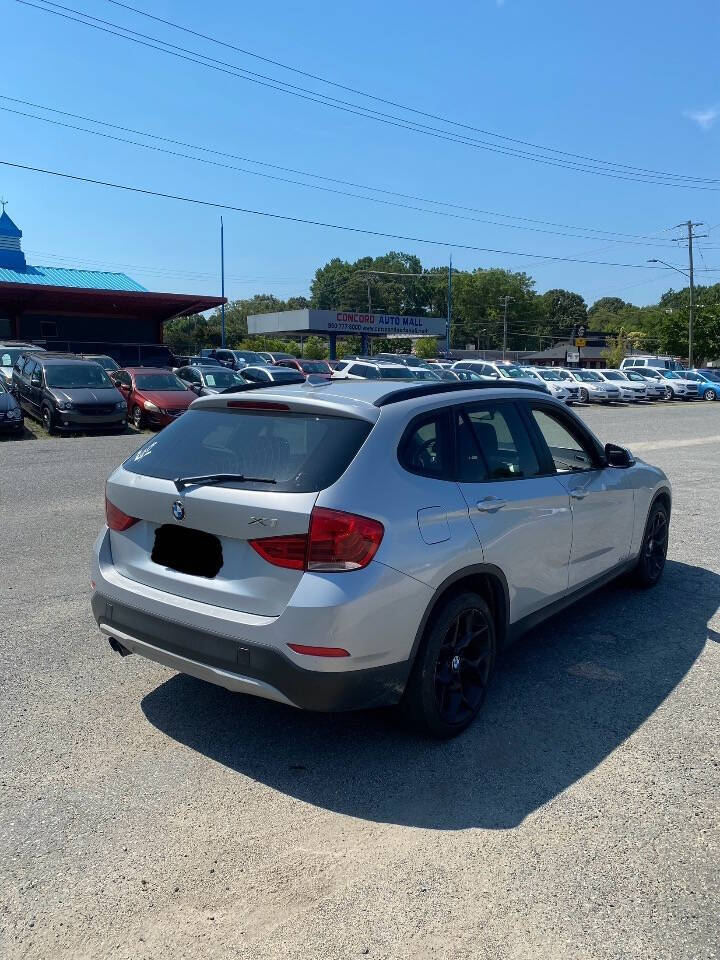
[(217, 205), (629, 239), (385, 100), (191, 56)]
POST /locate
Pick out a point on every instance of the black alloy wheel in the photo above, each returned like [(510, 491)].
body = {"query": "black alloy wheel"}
[(653, 552), (453, 668), (463, 667)]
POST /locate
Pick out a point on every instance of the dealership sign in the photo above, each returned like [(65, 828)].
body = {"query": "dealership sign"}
[(303, 322)]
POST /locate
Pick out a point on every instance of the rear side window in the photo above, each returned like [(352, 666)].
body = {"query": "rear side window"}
[(299, 452), (493, 444), (424, 449)]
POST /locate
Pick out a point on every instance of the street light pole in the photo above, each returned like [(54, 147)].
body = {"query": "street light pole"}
[(222, 279), (692, 295)]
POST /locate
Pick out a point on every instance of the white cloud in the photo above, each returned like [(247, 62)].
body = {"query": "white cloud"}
[(704, 118)]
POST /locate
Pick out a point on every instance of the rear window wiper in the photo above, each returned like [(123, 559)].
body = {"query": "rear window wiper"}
[(204, 481)]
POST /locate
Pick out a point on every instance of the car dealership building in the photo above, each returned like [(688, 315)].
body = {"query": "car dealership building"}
[(84, 311)]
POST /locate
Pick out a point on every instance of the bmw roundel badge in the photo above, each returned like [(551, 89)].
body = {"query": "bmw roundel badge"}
[(178, 510)]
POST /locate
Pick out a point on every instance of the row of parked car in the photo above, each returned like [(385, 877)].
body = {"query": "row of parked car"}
[(69, 392)]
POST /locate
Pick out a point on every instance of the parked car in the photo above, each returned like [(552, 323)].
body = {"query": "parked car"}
[(273, 357), (708, 383), (194, 361), (237, 359), (657, 362), (269, 373), (106, 362), (379, 543), (208, 380), (557, 388), (9, 352), (677, 387), (11, 415), (630, 390), (319, 368), (67, 393), (654, 384), (593, 388), (371, 370), (406, 359), (501, 370), (155, 397)]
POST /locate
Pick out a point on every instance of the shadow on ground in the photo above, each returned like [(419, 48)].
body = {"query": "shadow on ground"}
[(564, 698)]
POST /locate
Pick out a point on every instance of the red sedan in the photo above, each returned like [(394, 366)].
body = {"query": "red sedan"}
[(318, 369), (155, 397)]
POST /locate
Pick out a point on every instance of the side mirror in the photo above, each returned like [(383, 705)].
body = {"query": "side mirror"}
[(196, 387), (618, 456)]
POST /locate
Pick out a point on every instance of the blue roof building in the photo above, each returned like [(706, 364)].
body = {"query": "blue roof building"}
[(84, 311)]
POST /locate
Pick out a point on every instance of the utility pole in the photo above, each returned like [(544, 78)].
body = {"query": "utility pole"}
[(691, 235), (505, 301), (449, 310), (222, 280)]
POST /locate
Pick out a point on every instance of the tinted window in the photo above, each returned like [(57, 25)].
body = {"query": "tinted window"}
[(423, 450), (493, 444), (69, 376), (314, 366), (256, 376), (363, 370), (158, 381), (394, 373), (8, 356), (567, 451), (221, 379), (300, 452)]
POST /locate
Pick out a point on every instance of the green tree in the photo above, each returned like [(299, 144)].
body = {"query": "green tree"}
[(425, 347), (315, 349), (563, 308), (604, 305)]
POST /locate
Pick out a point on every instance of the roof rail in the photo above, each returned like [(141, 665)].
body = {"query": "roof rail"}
[(421, 389)]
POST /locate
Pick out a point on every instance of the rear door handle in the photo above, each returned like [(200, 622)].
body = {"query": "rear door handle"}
[(490, 504)]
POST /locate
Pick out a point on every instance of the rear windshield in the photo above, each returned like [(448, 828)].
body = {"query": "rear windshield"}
[(300, 452), (158, 381), (314, 366), (69, 376)]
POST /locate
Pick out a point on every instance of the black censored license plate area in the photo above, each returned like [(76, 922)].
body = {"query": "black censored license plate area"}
[(187, 551)]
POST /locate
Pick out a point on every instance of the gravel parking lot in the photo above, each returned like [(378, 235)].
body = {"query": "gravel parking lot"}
[(148, 815)]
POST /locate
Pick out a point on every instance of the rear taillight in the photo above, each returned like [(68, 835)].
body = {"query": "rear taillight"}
[(336, 541), (116, 519)]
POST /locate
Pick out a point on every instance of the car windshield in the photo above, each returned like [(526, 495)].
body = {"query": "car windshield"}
[(669, 375), (588, 376), (613, 375), (71, 376), (314, 366), (107, 363), (158, 381), (249, 356), (552, 375), (531, 373), (221, 379), (396, 373), (420, 374), (467, 375), (297, 452), (8, 355), (695, 376), (516, 373)]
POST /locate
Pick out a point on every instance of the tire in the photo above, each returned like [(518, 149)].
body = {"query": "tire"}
[(653, 551), (48, 420), (447, 687), (709, 395), (669, 393), (584, 395), (137, 418)]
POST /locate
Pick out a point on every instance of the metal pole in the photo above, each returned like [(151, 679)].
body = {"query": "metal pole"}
[(366, 345), (692, 295), (449, 309), (222, 279), (505, 301)]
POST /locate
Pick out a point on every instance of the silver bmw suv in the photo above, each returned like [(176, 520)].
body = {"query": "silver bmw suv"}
[(345, 545)]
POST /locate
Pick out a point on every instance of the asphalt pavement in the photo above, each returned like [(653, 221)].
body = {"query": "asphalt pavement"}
[(144, 814)]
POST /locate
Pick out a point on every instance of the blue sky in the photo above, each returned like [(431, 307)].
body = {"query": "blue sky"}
[(631, 82)]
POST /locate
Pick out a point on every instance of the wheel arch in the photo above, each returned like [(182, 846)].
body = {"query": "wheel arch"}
[(484, 579)]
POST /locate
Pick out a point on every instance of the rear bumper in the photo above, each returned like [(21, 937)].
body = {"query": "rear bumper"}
[(372, 613), (245, 667)]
